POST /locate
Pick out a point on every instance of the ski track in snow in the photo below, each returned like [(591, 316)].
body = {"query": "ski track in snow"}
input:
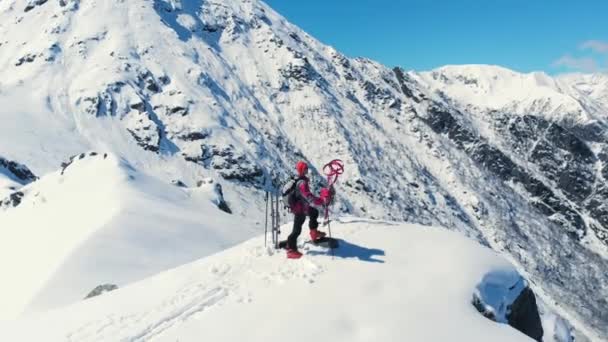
[(197, 297), (202, 300)]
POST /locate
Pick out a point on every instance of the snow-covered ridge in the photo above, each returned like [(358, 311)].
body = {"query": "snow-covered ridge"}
[(98, 220), (579, 98), (417, 277)]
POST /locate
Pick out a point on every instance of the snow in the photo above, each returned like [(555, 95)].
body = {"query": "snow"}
[(104, 71), (556, 329), (486, 88), (497, 290), (101, 221), (418, 283)]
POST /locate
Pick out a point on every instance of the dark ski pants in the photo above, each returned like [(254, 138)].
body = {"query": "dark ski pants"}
[(298, 222)]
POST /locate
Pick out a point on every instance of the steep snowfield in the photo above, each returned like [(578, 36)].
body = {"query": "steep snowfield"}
[(100, 221), (385, 283)]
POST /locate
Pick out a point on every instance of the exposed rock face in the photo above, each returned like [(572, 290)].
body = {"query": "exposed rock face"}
[(499, 164), (229, 163), (19, 171), (505, 297), (32, 4), (18, 175), (13, 200), (524, 316)]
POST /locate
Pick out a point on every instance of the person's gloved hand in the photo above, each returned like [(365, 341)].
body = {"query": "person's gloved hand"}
[(326, 195)]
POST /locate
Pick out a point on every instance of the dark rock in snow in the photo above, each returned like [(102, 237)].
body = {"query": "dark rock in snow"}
[(523, 315), (32, 4), (183, 111), (164, 80), (179, 183), (29, 58), (229, 164), (403, 79), (139, 106), (220, 201), (21, 172), (503, 299), (194, 136), (101, 289), (147, 142), (146, 81), (13, 200)]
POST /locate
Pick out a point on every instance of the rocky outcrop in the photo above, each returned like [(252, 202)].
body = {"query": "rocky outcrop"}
[(229, 163), (131, 103), (31, 4), (13, 200), (523, 315), (505, 297), (101, 289), (218, 193), (20, 172), (219, 200)]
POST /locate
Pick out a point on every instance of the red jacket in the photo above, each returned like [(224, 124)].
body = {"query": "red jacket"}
[(305, 198)]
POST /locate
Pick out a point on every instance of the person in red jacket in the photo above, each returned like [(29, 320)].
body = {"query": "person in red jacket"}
[(305, 205)]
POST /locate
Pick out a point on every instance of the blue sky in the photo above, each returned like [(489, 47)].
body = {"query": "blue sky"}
[(525, 35)]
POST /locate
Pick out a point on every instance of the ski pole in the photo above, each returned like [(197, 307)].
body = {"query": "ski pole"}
[(273, 215), (331, 250), (266, 220), (327, 220), (276, 246)]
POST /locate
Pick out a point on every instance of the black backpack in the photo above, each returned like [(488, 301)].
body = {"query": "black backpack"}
[(290, 193)]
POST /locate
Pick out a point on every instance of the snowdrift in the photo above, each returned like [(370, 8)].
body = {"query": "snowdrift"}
[(384, 283), (98, 221)]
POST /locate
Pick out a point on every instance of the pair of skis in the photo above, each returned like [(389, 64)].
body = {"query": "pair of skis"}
[(275, 218)]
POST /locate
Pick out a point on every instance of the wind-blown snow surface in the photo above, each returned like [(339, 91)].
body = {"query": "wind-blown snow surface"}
[(100, 221), (229, 90), (385, 283)]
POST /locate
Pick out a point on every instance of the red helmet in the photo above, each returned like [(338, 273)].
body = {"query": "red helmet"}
[(302, 168)]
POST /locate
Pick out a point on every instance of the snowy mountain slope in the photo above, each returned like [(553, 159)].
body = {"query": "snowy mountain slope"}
[(100, 221), (594, 86), (185, 90), (419, 282), (483, 87), (555, 160)]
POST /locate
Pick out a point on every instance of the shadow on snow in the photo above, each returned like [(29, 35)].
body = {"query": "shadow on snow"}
[(349, 250)]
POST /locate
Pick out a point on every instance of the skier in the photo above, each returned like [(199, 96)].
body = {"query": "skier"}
[(303, 206)]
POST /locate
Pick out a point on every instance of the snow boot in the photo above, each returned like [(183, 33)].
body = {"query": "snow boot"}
[(316, 235), (293, 254)]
